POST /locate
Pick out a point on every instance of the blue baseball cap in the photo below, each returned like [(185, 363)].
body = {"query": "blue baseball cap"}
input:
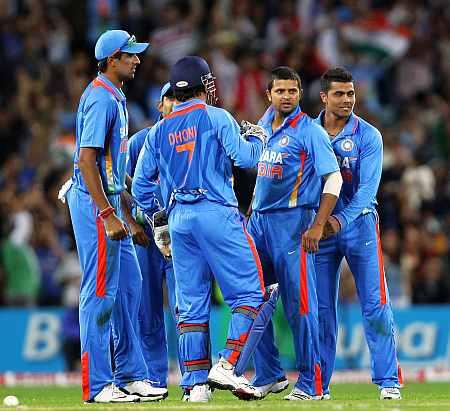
[(188, 72), (166, 89), (112, 41)]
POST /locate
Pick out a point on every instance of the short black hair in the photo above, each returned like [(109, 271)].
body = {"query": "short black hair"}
[(102, 65), (184, 95), (337, 74), (284, 73)]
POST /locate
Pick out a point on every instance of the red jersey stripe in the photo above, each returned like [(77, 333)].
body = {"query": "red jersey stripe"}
[(100, 289), (303, 283)]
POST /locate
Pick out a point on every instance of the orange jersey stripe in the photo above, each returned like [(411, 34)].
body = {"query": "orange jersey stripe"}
[(108, 168), (257, 260), (298, 181), (185, 110)]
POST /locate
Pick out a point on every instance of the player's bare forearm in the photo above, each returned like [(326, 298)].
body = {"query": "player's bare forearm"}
[(128, 182), (87, 164), (137, 231), (126, 200), (311, 237), (327, 204), (114, 226)]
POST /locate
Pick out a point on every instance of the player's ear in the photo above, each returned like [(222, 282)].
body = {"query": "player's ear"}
[(269, 97), (300, 94), (159, 106), (323, 97)]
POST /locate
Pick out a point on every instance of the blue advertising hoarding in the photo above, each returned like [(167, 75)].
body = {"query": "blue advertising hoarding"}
[(31, 338)]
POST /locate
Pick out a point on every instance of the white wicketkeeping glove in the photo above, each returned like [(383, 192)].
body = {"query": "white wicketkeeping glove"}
[(160, 227), (63, 190), (249, 129)]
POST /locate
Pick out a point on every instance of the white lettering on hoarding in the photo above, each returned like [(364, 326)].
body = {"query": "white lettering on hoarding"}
[(42, 340)]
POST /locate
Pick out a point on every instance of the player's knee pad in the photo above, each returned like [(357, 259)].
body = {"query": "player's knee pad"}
[(194, 346)]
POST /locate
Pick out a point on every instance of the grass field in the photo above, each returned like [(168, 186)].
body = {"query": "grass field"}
[(432, 396)]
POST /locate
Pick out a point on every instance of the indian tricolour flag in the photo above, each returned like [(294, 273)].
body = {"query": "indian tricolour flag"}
[(378, 37)]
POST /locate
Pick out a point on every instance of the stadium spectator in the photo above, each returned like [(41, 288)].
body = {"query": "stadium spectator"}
[(45, 66)]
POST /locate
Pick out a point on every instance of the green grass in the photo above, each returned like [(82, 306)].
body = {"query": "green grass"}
[(432, 396)]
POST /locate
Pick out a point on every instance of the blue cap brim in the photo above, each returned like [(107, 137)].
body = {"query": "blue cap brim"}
[(164, 91), (136, 48)]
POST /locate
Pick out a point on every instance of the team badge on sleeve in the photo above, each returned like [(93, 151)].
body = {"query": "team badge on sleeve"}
[(347, 145)]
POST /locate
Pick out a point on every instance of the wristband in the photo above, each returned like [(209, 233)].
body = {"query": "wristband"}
[(106, 212)]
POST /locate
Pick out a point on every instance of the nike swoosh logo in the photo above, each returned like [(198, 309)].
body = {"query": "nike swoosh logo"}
[(369, 242), (291, 252)]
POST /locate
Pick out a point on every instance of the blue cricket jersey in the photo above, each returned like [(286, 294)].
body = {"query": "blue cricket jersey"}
[(298, 153), (135, 144), (192, 150), (102, 123), (359, 150)]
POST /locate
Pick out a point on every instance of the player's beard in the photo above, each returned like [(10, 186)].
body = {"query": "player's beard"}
[(285, 114)]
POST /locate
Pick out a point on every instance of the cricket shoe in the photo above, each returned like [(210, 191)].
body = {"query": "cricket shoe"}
[(145, 391), (323, 397), (111, 393), (200, 393), (298, 395), (273, 387), (390, 393), (222, 377), (186, 395)]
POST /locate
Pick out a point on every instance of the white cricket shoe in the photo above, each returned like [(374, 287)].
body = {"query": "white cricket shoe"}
[(111, 393), (298, 395), (273, 387), (145, 391), (324, 397), (390, 393), (200, 393), (222, 377)]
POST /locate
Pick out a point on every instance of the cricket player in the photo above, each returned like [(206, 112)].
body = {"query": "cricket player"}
[(111, 281), (287, 230), (154, 267), (192, 150), (354, 233)]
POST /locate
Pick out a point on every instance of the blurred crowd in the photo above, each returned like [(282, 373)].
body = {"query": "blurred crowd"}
[(397, 50)]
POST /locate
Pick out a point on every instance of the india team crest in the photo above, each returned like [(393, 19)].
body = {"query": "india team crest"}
[(284, 141), (347, 145)]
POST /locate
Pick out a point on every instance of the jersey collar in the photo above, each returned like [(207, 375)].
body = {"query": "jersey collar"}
[(103, 81), (350, 126), (291, 120), (189, 103)]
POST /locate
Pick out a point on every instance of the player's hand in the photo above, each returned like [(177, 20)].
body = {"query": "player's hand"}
[(311, 238), (332, 227), (115, 227), (138, 234), (249, 129), (160, 226)]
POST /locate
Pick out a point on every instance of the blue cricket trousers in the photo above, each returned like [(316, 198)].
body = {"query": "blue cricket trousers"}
[(360, 244), (277, 236), (207, 238), (109, 298), (154, 267)]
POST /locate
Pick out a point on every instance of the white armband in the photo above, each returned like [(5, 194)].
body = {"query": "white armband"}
[(333, 183)]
